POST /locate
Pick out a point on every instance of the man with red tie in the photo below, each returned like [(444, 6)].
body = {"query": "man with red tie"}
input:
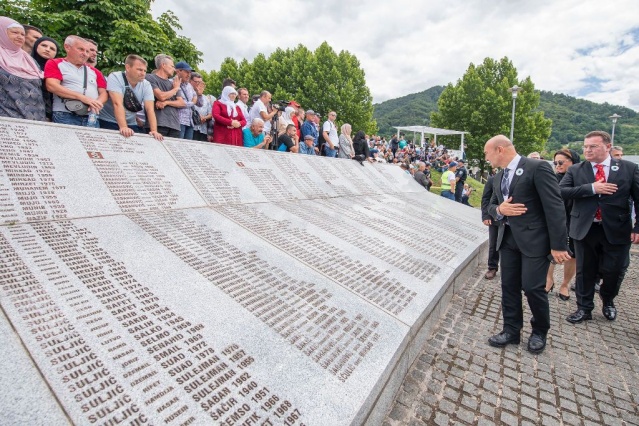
[(601, 223)]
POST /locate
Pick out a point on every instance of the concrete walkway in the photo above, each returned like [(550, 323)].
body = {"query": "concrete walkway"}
[(588, 374)]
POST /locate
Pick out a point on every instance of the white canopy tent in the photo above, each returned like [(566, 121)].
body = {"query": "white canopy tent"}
[(432, 131)]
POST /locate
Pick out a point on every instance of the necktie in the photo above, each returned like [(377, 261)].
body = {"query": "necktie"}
[(599, 176), (504, 184)]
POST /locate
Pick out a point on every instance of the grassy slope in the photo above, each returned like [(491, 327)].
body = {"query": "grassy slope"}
[(475, 196)]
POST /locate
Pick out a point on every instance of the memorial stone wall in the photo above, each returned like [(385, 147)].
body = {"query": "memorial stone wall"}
[(180, 282)]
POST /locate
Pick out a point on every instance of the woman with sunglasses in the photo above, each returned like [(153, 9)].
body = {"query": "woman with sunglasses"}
[(564, 158)]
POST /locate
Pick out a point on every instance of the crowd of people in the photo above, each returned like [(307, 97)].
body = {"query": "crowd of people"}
[(579, 216), (170, 102)]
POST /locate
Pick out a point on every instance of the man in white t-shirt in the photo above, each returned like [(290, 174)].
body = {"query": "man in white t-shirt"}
[(115, 115), (259, 110), (242, 99), (330, 135)]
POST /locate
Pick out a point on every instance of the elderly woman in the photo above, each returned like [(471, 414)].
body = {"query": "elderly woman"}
[(284, 120), (564, 158), (45, 48), (20, 76), (346, 149), (228, 119)]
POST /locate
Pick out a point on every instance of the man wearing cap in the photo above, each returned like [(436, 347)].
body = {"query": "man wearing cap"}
[(168, 96), (448, 181), (307, 146), (460, 178), (309, 128), (192, 94)]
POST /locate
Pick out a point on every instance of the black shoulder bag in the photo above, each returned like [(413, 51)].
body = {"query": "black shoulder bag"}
[(130, 101), (75, 106)]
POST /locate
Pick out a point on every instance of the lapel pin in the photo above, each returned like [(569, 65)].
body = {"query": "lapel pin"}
[(614, 168), (519, 172)]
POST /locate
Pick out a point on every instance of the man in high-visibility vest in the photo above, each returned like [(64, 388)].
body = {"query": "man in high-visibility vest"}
[(448, 181)]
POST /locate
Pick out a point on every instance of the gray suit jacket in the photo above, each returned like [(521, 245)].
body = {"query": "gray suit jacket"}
[(543, 226), (615, 209)]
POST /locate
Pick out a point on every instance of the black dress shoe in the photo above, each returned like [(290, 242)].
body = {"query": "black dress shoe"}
[(490, 274), (502, 339), (579, 316), (609, 311), (536, 343)]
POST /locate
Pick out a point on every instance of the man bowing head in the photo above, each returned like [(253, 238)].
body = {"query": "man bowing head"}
[(527, 204)]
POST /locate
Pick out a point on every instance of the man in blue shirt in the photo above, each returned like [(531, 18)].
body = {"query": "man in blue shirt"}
[(309, 128), (253, 137), (308, 146)]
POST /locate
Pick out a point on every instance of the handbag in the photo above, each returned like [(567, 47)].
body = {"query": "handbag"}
[(75, 106), (195, 117), (130, 101)]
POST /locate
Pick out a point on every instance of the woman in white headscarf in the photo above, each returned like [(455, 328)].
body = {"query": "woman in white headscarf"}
[(20, 75), (346, 149), (285, 119), (229, 120)]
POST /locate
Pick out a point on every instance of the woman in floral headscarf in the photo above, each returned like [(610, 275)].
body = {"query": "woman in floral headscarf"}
[(229, 120), (20, 75)]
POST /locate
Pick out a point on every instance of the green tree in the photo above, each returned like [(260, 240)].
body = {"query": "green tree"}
[(119, 27), (321, 80), (480, 104)]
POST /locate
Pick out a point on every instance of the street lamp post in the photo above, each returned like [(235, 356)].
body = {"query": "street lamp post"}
[(514, 91), (614, 117)]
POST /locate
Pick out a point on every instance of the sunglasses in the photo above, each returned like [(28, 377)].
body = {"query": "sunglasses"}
[(559, 163)]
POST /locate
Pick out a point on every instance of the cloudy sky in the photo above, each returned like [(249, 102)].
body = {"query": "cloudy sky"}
[(583, 48)]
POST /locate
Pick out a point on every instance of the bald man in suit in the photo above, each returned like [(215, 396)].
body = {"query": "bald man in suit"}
[(601, 223), (532, 228)]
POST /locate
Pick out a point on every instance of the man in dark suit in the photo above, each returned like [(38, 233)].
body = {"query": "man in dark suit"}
[(527, 202), (600, 223), (493, 254)]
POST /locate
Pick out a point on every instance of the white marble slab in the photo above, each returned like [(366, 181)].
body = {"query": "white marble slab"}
[(185, 282), (62, 172), (186, 277)]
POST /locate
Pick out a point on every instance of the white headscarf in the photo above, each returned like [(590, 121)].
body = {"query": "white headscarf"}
[(230, 105), (287, 115)]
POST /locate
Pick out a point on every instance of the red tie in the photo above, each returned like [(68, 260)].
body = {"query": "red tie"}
[(600, 176)]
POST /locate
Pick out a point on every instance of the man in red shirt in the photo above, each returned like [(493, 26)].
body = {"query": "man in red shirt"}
[(71, 79)]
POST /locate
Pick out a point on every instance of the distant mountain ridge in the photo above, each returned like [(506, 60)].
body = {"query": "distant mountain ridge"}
[(572, 118)]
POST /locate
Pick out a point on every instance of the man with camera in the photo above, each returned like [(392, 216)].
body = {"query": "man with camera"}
[(260, 110), (79, 90), (129, 93)]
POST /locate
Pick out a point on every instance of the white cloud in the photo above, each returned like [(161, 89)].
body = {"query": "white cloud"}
[(406, 46)]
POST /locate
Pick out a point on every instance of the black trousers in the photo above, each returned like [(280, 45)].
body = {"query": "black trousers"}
[(596, 256), (168, 132), (493, 254), (459, 189), (520, 272)]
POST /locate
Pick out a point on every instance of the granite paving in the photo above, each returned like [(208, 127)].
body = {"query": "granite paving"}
[(588, 374)]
